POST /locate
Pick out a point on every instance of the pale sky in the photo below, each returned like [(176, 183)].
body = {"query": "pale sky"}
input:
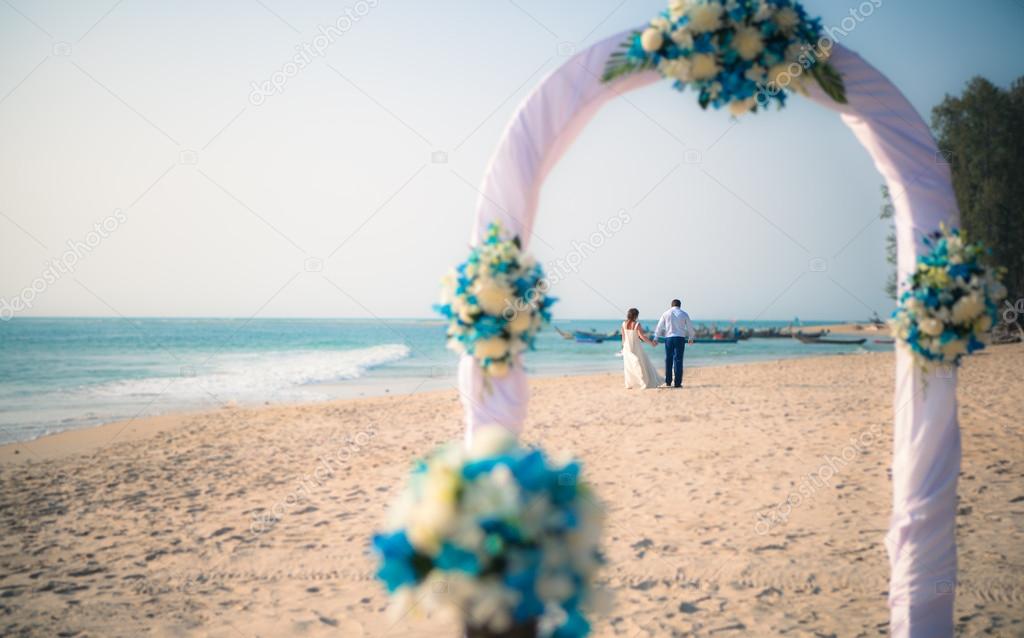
[(323, 200)]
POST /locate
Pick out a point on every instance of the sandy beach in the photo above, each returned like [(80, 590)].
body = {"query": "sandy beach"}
[(160, 526)]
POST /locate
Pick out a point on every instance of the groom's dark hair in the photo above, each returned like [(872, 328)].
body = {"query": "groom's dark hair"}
[(676, 303)]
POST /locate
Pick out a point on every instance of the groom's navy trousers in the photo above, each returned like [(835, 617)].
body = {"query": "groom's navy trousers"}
[(674, 347)]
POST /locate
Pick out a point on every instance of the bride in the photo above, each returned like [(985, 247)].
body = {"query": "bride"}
[(639, 370)]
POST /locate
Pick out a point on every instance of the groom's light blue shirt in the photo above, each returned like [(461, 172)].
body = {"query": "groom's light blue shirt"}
[(674, 323)]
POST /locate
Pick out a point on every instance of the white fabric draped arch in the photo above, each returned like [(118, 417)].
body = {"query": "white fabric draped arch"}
[(926, 436)]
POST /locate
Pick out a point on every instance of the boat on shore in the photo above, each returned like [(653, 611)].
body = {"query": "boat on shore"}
[(803, 338)]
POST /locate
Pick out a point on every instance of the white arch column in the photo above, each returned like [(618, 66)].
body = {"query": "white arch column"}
[(926, 437)]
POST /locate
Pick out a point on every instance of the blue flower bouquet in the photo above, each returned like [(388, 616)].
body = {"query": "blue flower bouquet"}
[(950, 302), (497, 536)]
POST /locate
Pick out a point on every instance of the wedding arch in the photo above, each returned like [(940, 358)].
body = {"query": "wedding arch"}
[(926, 437)]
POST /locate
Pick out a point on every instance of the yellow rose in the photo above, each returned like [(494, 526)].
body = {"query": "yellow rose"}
[(982, 324)]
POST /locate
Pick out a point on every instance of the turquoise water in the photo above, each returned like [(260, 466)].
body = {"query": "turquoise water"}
[(59, 374)]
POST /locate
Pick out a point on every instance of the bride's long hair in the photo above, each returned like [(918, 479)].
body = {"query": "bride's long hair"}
[(632, 314)]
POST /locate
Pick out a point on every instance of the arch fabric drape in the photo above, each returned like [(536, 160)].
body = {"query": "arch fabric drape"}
[(926, 437)]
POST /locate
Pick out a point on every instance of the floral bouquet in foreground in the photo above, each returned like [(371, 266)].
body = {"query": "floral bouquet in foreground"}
[(743, 54), (495, 303), (951, 301), (499, 536)]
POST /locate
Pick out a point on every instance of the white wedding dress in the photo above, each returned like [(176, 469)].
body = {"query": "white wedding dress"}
[(639, 371)]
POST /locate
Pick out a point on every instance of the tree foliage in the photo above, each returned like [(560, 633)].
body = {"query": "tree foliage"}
[(981, 135), (887, 212)]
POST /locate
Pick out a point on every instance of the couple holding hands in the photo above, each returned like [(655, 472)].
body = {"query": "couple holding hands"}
[(675, 329)]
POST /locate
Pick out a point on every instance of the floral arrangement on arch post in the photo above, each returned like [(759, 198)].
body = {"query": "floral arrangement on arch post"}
[(743, 54), (495, 303), (951, 301), (497, 536)]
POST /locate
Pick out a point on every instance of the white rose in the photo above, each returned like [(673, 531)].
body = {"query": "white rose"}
[(498, 368), (780, 78), (448, 283), (492, 294), (748, 43), (490, 440), (930, 327), (703, 66), (651, 39), (755, 73), (682, 37), (466, 311), (787, 19), (678, 69), (705, 17), (493, 348), (677, 8), (520, 323), (951, 349), (967, 308), (764, 11), (739, 107), (793, 53), (433, 515)]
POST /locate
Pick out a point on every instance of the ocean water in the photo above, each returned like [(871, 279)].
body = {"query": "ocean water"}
[(60, 374)]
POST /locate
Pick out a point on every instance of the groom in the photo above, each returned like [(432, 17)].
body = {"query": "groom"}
[(674, 328)]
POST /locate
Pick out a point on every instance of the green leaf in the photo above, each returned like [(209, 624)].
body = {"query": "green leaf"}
[(830, 80), (619, 63)]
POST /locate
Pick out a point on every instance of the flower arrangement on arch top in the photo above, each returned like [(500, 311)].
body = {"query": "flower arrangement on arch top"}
[(495, 303), (744, 54), (498, 536)]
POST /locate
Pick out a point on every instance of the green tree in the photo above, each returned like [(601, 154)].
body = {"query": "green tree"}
[(981, 135), (887, 212)]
